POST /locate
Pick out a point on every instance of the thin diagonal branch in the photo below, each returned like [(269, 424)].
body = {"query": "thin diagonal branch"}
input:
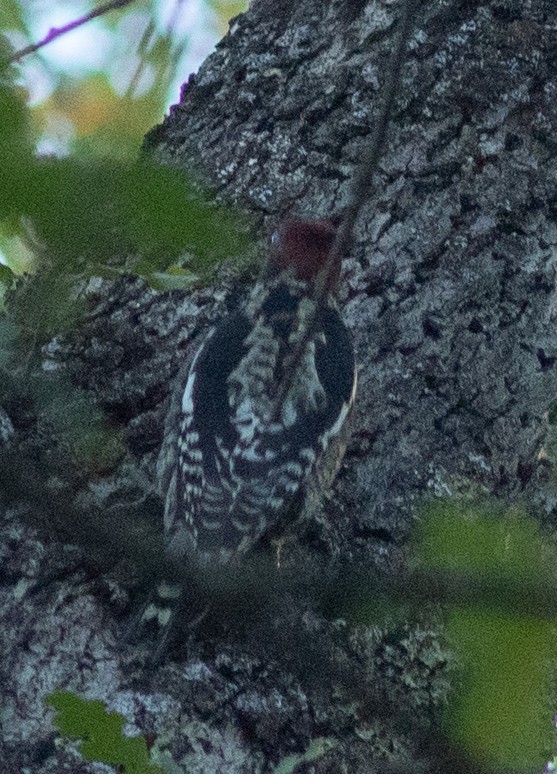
[(55, 32), (362, 184), (362, 187)]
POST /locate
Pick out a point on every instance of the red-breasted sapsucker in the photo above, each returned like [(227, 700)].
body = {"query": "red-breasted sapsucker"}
[(244, 451)]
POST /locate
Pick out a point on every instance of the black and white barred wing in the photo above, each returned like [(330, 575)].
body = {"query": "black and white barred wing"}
[(237, 464), (190, 462)]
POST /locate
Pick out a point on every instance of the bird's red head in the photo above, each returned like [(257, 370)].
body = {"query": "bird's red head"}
[(304, 246)]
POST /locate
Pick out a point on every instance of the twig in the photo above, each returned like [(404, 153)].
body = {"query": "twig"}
[(362, 186), (55, 32)]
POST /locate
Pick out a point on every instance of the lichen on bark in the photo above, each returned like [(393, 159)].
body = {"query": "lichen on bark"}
[(450, 294)]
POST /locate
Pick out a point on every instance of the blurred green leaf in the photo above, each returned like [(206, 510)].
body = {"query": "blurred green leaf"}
[(15, 137), (11, 16), (8, 335), (96, 213), (225, 10), (15, 249), (106, 124), (88, 215), (97, 209), (171, 280), (166, 215), (78, 422), (317, 748), (500, 714), (46, 306), (454, 537), (6, 274), (101, 733)]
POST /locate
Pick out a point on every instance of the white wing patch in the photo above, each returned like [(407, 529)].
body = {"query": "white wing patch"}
[(344, 411), (187, 398)]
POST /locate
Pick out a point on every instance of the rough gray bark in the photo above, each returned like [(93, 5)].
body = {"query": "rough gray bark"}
[(450, 293), (449, 290)]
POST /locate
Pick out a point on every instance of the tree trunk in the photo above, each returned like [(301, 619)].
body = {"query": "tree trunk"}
[(450, 294)]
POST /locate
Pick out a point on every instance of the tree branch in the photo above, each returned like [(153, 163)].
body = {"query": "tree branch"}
[(360, 192), (55, 32)]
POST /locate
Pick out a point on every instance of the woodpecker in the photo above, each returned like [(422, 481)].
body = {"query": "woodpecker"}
[(242, 451)]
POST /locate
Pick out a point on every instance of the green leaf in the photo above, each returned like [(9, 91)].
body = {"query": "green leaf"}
[(8, 335), (15, 145), (11, 16), (46, 306), (500, 714), (166, 214), (100, 733), (502, 629), (77, 421), (457, 538), (171, 280), (317, 749), (6, 274), (90, 212)]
